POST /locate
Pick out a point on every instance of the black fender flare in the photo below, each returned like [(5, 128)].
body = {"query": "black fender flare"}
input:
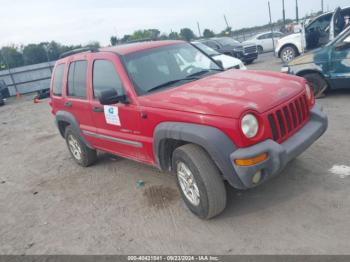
[(63, 116), (214, 141)]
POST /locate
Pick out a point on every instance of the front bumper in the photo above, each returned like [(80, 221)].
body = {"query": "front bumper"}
[(279, 155)]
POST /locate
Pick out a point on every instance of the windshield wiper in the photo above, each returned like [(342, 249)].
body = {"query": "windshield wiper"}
[(202, 72), (172, 82)]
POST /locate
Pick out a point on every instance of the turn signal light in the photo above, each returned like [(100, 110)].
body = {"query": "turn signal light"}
[(251, 161)]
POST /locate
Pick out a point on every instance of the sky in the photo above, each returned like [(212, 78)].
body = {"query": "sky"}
[(84, 21)]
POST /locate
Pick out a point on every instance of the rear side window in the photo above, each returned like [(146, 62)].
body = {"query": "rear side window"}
[(58, 80), (105, 77), (77, 79)]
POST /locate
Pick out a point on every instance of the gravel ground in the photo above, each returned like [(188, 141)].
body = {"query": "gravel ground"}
[(50, 205)]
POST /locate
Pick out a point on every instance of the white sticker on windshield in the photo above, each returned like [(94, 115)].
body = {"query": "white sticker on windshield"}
[(112, 115)]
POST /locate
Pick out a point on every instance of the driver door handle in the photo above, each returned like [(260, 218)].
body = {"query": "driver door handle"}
[(97, 109), (68, 104)]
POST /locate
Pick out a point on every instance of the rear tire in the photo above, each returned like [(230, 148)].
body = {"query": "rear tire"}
[(204, 181), (288, 53), (82, 154), (317, 82)]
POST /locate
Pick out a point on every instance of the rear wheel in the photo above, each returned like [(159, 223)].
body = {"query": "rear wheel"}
[(199, 181), (288, 53), (317, 82), (82, 154)]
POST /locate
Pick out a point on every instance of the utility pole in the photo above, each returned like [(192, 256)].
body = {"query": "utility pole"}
[(199, 30), (273, 42), (226, 21), (322, 6), (283, 13), (296, 10)]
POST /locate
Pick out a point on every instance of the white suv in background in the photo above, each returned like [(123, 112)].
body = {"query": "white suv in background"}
[(264, 40), (314, 34)]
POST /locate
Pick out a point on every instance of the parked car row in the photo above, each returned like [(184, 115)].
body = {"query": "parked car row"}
[(318, 32)]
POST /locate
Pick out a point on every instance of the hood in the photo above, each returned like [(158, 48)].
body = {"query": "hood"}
[(248, 43), (318, 55), (288, 38), (228, 94)]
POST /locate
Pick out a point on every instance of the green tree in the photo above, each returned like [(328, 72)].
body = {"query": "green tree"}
[(187, 34), (93, 44), (10, 57), (174, 36), (113, 40), (34, 54), (154, 33), (207, 33), (140, 34)]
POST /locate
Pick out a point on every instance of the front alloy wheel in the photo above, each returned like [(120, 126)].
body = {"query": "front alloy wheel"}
[(187, 183)]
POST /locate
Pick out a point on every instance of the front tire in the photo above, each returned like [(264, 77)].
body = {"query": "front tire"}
[(82, 154), (199, 181), (260, 49), (288, 53), (317, 83)]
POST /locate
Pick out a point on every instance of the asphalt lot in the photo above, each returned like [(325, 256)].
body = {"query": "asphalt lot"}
[(50, 205)]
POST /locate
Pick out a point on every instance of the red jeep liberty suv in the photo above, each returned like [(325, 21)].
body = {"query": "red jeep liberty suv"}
[(167, 104)]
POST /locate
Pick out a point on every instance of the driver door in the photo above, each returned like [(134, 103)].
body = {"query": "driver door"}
[(340, 63), (336, 24)]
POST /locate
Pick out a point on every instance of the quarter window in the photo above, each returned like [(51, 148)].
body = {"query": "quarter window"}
[(105, 77), (77, 79), (58, 80)]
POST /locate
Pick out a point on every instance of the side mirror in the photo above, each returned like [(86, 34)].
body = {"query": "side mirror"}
[(219, 62), (110, 97)]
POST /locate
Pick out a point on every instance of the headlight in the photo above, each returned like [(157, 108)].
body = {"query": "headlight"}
[(242, 66), (249, 125), (308, 91), (285, 69)]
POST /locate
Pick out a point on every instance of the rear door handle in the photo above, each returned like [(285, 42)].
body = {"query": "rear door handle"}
[(68, 104), (97, 109)]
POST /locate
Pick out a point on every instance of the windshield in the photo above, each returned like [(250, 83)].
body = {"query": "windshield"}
[(227, 41), (167, 66), (206, 49)]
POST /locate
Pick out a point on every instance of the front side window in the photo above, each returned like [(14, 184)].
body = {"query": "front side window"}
[(167, 66), (105, 77), (58, 80), (77, 79)]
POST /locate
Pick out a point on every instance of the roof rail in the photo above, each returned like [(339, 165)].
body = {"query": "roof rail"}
[(77, 51), (139, 40)]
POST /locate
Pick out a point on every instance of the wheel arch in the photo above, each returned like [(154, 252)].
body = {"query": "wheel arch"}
[(64, 119), (304, 72), (169, 135)]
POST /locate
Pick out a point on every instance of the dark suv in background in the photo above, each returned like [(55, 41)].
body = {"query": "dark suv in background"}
[(247, 52), (4, 92)]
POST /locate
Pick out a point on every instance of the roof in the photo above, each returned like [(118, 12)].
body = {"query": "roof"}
[(136, 47)]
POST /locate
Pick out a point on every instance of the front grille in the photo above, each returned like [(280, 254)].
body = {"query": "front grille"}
[(250, 49), (289, 118)]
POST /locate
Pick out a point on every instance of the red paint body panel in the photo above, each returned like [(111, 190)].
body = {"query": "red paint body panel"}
[(218, 100)]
